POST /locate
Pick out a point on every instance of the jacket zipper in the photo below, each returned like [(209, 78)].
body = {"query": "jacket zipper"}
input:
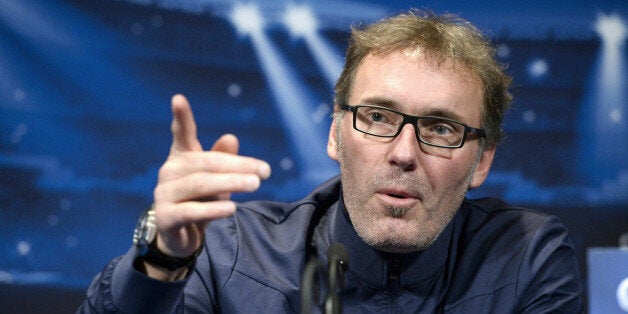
[(394, 270)]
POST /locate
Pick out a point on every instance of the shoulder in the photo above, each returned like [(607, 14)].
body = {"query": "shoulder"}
[(512, 258), (319, 199), (512, 239), (262, 239), (265, 223), (511, 230), (520, 252), (488, 215)]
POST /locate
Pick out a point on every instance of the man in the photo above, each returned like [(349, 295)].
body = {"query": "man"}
[(417, 118)]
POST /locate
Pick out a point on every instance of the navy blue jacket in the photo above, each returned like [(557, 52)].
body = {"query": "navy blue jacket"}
[(491, 258)]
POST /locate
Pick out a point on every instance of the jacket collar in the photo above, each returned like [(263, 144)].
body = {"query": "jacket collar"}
[(372, 266)]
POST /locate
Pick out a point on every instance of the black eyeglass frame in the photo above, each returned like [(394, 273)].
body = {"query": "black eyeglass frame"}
[(414, 121)]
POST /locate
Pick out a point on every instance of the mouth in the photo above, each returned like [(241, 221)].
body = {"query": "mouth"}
[(396, 193), (397, 197)]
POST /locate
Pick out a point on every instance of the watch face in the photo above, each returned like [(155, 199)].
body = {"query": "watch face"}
[(145, 231)]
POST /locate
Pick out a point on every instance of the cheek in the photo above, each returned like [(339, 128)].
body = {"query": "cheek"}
[(363, 153), (446, 173)]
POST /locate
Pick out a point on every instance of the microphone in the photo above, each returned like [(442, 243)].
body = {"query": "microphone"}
[(337, 265)]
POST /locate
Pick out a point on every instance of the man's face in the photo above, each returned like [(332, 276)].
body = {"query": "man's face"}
[(400, 194)]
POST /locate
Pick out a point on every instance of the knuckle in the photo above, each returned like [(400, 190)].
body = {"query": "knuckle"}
[(165, 169), (160, 193), (163, 172), (170, 169)]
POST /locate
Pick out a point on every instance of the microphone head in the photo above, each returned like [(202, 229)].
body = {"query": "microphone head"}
[(337, 253)]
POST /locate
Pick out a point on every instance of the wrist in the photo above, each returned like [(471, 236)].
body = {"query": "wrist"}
[(160, 273), (155, 257), (148, 253)]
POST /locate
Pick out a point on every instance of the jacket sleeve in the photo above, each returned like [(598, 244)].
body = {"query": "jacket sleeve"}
[(120, 288), (549, 276)]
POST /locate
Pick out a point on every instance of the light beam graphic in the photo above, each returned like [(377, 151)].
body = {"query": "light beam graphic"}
[(604, 138), (302, 23), (247, 19), (292, 100), (300, 20)]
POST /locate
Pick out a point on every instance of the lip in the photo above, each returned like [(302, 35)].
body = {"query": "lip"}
[(397, 197)]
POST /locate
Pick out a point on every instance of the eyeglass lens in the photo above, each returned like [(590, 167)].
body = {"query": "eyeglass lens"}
[(387, 123)]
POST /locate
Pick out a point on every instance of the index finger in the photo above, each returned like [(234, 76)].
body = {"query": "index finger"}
[(184, 136)]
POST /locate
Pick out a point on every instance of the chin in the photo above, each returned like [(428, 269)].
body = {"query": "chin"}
[(395, 247), (391, 241)]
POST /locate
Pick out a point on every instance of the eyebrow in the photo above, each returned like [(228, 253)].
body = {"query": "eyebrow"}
[(442, 113), (392, 104), (383, 102)]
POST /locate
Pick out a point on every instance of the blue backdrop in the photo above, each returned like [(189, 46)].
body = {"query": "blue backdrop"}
[(84, 111)]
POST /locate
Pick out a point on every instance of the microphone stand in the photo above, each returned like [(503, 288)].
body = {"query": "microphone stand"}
[(311, 269), (337, 264), (332, 303)]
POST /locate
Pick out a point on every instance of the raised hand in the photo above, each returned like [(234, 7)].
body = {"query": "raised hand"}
[(194, 186)]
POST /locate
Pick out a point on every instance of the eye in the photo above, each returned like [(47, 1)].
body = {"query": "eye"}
[(376, 117), (439, 127), (442, 129)]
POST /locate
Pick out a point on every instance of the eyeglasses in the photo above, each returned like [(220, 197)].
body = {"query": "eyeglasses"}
[(433, 131)]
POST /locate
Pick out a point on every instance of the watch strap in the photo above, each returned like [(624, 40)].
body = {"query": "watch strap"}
[(156, 257)]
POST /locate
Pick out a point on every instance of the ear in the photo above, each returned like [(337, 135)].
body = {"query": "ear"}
[(483, 167), (332, 141)]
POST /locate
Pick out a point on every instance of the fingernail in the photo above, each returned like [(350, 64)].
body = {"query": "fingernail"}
[(252, 182), (264, 170)]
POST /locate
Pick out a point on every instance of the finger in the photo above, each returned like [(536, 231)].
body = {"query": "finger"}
[(202, 185), (230, 144), (184, 136), (177, 215), (214, 162), (227, 143)]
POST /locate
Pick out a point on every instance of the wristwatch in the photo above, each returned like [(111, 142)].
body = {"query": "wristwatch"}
[(144, 239)]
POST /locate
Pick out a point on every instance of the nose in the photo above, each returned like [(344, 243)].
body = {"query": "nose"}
[(405, 149)]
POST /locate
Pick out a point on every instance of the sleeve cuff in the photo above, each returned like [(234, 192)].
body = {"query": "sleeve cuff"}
[(134, 292)]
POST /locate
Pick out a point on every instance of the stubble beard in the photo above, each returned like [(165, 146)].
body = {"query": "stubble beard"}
[(386, 238)]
